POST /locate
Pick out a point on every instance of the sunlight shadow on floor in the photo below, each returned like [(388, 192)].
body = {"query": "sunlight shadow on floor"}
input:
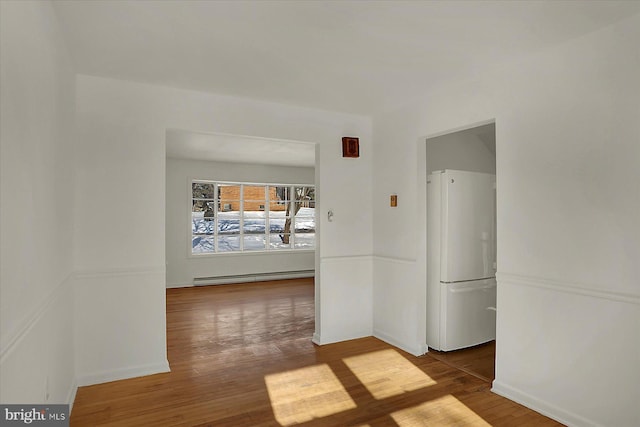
[(303, 394), (446, 410), (386, 373)]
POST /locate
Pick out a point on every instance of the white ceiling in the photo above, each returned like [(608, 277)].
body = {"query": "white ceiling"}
[(353, 56), (238, 149)]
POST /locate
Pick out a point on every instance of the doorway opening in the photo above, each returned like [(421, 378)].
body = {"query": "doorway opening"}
[(238, 208), (461, 249)]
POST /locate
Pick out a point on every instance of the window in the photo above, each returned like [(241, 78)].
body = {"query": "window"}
[(242, 217)]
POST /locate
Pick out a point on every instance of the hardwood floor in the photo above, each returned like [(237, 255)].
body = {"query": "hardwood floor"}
[(241, 355), (478, 361)]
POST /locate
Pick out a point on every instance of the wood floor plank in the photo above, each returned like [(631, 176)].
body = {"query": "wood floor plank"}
[(241, 355), (478, 360)]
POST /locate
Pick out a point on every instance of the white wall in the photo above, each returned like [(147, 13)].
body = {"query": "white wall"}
[(459, 151), (568, 164), (120, 227), (181, 267), (36, 134)]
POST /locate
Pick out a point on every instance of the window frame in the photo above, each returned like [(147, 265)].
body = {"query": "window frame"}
[(241, 234)]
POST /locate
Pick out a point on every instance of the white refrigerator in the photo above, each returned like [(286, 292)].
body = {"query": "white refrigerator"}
[(461, 259)]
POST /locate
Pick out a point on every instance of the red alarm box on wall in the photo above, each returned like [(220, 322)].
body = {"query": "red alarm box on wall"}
[(350, 147)]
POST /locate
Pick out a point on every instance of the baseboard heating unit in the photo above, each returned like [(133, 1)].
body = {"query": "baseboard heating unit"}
[(256, 277)]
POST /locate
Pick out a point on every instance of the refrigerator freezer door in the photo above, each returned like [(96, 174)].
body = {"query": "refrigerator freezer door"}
[(468, 226), (468, 314)]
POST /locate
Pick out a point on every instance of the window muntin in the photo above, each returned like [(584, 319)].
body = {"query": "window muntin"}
[(203, 216), (239, 217)]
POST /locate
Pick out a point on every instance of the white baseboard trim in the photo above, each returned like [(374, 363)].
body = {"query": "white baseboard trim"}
[(331, 340), (179, 285), (418, 350), (71, 396), (124, 373), (256, 277), (541, 406), (567, 287), (243, 278)]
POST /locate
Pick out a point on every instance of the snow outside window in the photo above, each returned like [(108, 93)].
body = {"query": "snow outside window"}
[(243, 217)]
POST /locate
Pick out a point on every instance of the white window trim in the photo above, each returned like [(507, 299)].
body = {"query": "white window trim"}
[(242, 252)]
